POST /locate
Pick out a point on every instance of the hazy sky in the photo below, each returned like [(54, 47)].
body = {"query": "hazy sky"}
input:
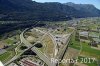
[(94, 2)]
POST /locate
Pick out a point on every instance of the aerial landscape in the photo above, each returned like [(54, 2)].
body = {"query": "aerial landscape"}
[(49, 33)]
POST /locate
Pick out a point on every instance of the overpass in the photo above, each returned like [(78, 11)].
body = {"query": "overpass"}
[(34, 49)]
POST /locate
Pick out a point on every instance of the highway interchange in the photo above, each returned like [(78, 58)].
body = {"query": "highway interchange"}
[(41, 55)]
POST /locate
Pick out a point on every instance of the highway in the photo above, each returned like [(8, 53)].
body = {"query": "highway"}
[(34, 49), (17, 56), (29, 47), (41, 55)]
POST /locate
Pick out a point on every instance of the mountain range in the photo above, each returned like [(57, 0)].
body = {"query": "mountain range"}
[(48, 11)]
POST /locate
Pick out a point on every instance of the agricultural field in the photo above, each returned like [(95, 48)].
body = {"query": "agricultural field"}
[(81, 40)]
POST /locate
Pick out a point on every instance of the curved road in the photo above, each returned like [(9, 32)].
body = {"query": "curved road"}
[(34, 49)]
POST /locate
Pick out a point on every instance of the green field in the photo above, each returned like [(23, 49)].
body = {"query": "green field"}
[(85, 48), (90, 51)]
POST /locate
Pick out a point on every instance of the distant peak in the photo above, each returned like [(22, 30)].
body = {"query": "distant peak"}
[(69, 3)]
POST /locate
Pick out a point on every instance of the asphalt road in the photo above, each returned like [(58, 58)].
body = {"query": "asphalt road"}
[(38, 52), (34, 49)]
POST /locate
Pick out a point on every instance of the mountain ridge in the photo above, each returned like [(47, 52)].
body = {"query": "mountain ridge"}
[(31, 10), (86, 7)]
